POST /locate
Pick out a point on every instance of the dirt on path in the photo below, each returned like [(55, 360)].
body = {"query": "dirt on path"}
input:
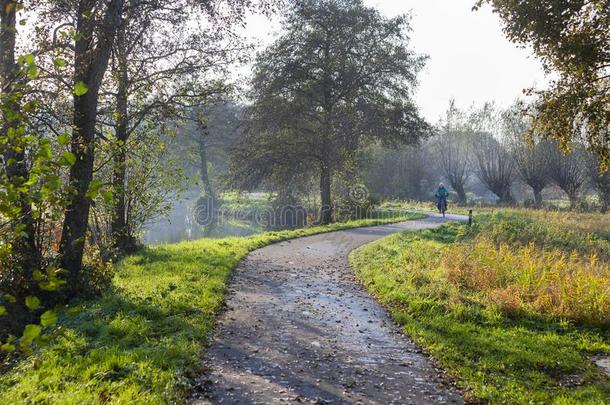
[(300, 329)]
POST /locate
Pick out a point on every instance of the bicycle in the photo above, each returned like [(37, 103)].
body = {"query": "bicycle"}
[(441, 205)]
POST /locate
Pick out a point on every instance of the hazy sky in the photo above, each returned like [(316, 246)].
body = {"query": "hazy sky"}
[(470, 58)]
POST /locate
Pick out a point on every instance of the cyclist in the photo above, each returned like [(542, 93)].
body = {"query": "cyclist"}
[(441, 195)]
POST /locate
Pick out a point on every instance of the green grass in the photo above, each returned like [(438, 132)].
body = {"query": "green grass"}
[(142, 341), (495, 355)]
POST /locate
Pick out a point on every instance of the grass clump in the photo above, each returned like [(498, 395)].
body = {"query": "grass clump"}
[(141, 341), (527, 280), (513, 307)]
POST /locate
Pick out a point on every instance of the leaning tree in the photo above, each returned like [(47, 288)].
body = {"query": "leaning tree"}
[(341, 75)]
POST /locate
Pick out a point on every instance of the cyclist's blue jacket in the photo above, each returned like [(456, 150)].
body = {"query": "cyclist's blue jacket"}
[(441, 193)]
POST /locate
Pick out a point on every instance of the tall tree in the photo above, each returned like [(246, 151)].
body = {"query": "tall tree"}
[(572, 39), (451, 145), (568, 172), (17, 208), (96, 26), (160, 74), (495, 166), (341, 75), (531, 154), (84, 31), (600, 181)]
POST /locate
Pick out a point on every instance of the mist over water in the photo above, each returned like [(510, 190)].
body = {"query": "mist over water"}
[(182, 224)]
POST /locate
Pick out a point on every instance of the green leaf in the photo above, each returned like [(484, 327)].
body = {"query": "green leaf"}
[(51, 183), (33, 179), (74, 311), (31, 332), (49, 318), (67, 159), (8, 347), (33, 72), (63, 139), (94, 188), (10, 298), (80, 89), (32, 302), (52, 285), (44, 152), (29, 59), (107, 195), (59, 62), (2, 310)]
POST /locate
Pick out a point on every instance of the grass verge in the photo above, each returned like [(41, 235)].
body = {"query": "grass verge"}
[(141, 342), (513, 308)]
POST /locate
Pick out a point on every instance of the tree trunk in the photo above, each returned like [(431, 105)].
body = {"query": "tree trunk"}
[(203, 168), (537, 197), (605, 203), (81, 174), (24, 244), (326, 210), (459, 189), (121, 237), (573, 196), (505, 195), (89, 67)]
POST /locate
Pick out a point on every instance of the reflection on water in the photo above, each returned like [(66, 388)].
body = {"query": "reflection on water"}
[(181, 225)]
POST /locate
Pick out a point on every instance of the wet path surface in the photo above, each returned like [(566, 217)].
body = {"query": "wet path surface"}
[(300, 329)]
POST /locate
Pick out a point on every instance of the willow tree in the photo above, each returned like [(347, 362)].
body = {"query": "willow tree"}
[(600, 181), (569, 171), (531, 154), (494, 164), (451, 145), (340, 76)]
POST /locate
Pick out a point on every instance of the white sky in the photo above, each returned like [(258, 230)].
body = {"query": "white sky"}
[(470, 58)]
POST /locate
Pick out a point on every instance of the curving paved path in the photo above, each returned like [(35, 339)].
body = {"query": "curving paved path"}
[(300, 329)]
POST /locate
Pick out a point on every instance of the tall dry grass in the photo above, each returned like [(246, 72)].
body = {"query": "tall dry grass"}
[(591, 223), (526, 279)]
